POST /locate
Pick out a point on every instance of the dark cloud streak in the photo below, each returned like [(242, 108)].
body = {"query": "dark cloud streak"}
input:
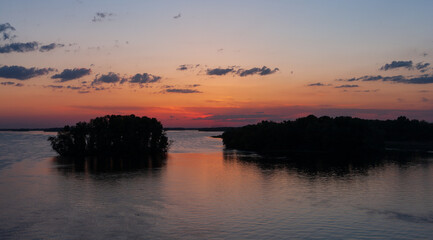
[(219, 71), (71, 74), (422, 79), (19, 47), (49, 47), (261, 71), (347, 86), (22, 73), (397, 64), (181, 90)]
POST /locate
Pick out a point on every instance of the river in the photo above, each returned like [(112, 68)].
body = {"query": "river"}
[(202, 191)]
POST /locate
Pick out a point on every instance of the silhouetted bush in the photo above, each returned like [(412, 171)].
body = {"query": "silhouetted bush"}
[(326, 134), (111, 135)]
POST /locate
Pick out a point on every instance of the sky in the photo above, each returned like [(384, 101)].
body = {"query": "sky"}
[(214, 63)]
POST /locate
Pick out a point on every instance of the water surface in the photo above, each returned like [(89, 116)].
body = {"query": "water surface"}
[(201, 191)]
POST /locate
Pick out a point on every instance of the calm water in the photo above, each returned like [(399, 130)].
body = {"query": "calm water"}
[(201, 191)]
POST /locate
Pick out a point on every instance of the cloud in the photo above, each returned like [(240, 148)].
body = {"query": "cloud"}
[(424, 99), (101, 16), (367, 91), (241, 72), (261, 71), (193, 85), (318, 84), (422, 79), (347, 86), (49, 47), (422, 67), (107, 78), (219, 71), (19, 47), (186, 89), (22, 73), (397, 64), (111, 77), (11, 84), (181, 90), (71, 74), (144, 78), (177, 16), (7, 83), (184, 67), (55, 86), (5, 30)]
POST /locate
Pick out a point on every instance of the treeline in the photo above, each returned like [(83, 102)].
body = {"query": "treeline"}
[(111, 135), (326, 134)]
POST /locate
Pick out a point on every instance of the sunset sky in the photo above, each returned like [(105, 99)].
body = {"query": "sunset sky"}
[(213, 63)]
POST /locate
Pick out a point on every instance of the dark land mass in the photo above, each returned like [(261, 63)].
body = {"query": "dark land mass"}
[(331, 136), (112, 135), (212, 129), (31, 129)]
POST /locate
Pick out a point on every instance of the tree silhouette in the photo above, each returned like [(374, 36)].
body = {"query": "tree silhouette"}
[(111, 135), (326, 134)]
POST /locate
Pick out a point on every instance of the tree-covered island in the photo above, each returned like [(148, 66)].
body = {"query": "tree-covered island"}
[(111, 135), (330, 135)]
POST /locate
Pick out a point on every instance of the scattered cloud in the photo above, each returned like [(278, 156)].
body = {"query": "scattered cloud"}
[(347, 86), (184, 67), (367, 91), (241, 72), (138, 78), (71, 74), (99, 16), (144, 78), (5, 31), (318, 84), (186, 89), (107, 78), (19, 47), (49, 47), (177, 16), (219, 71), (397, 64), (22, 73), (422, 67), (422, 79), (261, 71), (7, 83), (181, 90), (424, 99), (55, 86)]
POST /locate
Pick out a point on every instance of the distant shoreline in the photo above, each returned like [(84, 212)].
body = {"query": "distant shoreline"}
[(211, 129)]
